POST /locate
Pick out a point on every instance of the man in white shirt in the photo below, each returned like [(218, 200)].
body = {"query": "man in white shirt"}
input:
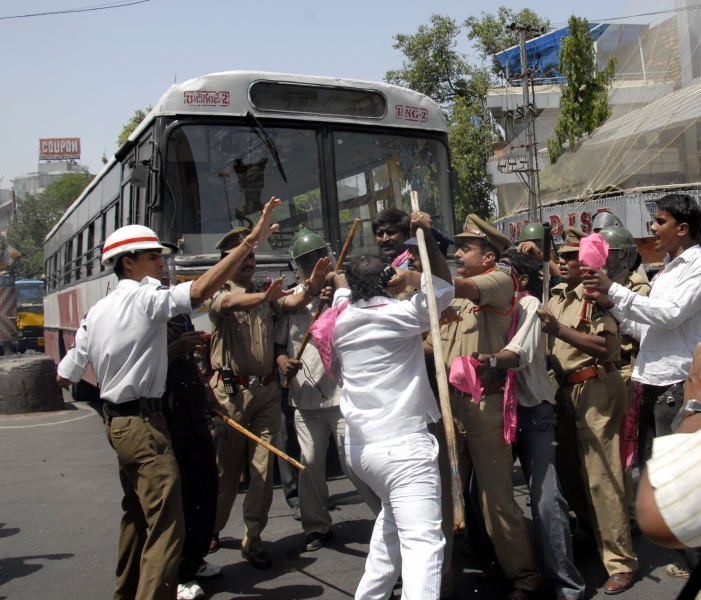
[(315, 399), (667, 322), (387, 403), (123, 337)]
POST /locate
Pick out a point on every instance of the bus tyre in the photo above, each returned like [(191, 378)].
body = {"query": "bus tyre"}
[(28, 384)]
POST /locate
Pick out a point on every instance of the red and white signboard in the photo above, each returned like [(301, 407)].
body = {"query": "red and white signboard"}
[(59, 148), (411, 113), (205, 98)]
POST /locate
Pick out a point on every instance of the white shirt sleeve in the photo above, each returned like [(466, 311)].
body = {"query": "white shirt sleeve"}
[(526, 340), (73, 365), (675, 474), (667, 313)]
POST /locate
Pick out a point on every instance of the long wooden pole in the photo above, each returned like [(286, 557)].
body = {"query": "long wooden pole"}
[(339, 264), (442, 379), (268, 446)]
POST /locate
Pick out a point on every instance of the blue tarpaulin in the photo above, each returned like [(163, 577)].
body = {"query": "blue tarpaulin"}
[(543, 53)]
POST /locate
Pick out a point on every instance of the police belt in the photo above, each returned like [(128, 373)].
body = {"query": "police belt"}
[(132, 408), (255, 381), (587, 373)]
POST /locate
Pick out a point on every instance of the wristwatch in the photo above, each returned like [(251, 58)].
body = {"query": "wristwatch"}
[(688, 408), (492, 362)]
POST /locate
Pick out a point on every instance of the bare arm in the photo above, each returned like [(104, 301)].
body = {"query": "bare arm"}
[(439, 266), (208, 283), (600, 346)]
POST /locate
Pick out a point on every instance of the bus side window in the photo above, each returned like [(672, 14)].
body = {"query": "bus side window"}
[(78, 261), (67, 262), (90, 249)]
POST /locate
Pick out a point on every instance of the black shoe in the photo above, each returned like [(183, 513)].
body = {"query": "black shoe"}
[(258, 560), (315, 540)]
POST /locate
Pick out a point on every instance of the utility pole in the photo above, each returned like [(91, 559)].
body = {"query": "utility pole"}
[(534, 212), (526, 167)]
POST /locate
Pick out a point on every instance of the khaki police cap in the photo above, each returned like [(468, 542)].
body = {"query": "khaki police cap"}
[(572, 236), (232, 239), (476, 227)]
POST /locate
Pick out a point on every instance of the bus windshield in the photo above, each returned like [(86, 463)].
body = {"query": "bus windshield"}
[(29, 293), (217, 176)]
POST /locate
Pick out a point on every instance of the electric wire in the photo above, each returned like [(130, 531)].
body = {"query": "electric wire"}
[(77, 10)]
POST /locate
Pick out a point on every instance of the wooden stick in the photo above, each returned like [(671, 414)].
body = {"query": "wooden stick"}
[(320, 306), (442, 379), (268, 446)]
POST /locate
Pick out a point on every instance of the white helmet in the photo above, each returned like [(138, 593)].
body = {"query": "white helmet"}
[(130, 238)]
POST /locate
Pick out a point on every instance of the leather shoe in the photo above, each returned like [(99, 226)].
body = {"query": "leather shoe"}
[(259, 560), (316, 540), (618, 582)]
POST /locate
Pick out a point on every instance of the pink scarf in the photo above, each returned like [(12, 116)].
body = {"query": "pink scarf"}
[(322, 333)]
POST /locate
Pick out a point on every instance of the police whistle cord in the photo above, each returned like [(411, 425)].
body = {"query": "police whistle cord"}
[(241, 429), (339, 265), (456, 486)]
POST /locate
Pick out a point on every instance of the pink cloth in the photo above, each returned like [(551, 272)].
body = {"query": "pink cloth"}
[(322, 334), (400, 260), (463, 375), (629, 429), (593, 251), (510, 408)]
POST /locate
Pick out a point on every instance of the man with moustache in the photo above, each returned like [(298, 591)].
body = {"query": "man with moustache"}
[(391, 229), (667, 322), (485, 300), (583, 342)]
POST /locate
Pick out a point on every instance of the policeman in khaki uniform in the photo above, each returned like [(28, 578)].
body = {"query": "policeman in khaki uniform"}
[(583, 343), (485, 308), (247, 387)]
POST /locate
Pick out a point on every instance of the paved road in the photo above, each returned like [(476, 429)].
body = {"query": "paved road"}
[(59, 515)]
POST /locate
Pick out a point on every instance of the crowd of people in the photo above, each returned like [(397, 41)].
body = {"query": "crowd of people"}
[(569, 383)]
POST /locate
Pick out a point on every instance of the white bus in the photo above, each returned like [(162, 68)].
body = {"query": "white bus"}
[(214, 148)]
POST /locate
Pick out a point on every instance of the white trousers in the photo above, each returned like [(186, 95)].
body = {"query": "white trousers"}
[(407, 537), (313, 427)]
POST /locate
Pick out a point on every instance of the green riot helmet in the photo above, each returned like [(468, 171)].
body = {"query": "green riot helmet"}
[(604, 218), (620, 239), (532, 232), (306, 249)]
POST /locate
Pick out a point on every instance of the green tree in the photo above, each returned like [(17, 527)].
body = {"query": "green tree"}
[(35, 216), (433, 66), (493, 33), (138, 116), (584, 97)]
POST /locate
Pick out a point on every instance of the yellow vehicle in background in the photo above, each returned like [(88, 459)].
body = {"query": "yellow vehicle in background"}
[(30, 315), (21, 315)]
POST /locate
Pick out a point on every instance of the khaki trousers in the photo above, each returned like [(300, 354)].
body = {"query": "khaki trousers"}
[(479, 436), (258, 410), (314, 427), (589, 464), (152, 528)]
